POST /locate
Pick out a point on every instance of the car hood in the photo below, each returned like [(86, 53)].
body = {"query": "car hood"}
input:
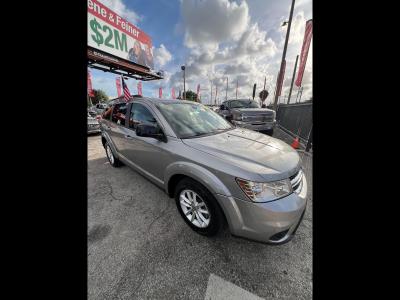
[(251, 151)]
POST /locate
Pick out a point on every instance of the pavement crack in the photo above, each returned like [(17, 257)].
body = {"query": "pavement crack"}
[(111, 193)]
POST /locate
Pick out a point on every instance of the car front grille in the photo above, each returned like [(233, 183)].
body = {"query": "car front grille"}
[(258, 117), (297, 181)]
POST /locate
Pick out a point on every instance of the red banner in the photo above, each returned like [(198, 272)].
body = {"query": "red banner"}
[(281, 77), (173, 93), (160, 92), (118, 83), (89, 84), (304, 51), (139, 88)]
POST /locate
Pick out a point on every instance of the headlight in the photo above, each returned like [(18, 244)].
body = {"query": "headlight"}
[(238, 117), (265, 191)]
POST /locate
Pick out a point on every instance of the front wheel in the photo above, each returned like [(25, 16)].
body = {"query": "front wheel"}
[(115, 162), (198, 207)]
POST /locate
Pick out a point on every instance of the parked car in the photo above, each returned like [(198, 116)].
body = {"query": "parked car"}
[(99, 108), (92, 112), (217, 173), (93, 125), (248, 114)]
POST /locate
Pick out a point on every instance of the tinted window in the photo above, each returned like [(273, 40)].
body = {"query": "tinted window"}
[(140, 115), (118, 113), (244, 104)]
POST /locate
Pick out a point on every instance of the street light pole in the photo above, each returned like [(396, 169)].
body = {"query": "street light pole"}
[(284, 50), (184, 88), (294, 74)]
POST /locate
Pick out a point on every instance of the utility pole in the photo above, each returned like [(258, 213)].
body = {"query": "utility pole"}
[(184, 87), (294, 74), (284, 50)]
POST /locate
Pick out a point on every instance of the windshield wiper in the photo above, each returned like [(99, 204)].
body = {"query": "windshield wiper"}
[(196, 135)]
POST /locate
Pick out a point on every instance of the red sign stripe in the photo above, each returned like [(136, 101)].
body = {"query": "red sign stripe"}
[(107, 15)]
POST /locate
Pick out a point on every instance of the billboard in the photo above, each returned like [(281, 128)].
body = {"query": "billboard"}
[(110, 33)]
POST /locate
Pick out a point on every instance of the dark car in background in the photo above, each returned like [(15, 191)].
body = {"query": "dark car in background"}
[(248, 114)]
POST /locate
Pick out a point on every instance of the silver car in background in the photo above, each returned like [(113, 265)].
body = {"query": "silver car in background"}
[(93, 125), (217, 173)]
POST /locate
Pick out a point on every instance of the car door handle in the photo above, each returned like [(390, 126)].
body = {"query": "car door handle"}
[(128, 136)]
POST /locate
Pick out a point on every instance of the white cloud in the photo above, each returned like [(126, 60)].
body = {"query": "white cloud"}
[(162, 56), (210, 22), (119, 7), (243, 54)]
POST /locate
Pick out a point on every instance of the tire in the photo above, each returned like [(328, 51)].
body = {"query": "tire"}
[(269, 131), (115, 162), (215, 215)]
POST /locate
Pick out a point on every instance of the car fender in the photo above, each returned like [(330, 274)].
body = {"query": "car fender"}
[(213, 184), (198, 173), (110, 142)]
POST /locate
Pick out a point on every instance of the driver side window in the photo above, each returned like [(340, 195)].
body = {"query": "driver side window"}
[(140, 115)]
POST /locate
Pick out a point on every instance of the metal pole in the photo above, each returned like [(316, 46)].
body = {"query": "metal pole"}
[(284, 49), (226, 94), (211, 92), (297, 96), (301, 94), (294, 74), (184, 86), (237, 82), (309, 141)]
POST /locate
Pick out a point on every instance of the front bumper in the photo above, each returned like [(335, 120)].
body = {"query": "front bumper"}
[(255, 126), (93, 128), (273, 222)]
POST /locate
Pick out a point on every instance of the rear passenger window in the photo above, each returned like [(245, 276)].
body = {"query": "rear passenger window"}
[(118, 114), (140, 115)]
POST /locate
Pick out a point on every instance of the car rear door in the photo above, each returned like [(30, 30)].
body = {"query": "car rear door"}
[(116, 127)]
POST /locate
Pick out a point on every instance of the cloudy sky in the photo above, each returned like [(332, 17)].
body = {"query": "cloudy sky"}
[(242, 40)]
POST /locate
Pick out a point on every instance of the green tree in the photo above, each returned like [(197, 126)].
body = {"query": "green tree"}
[(191, 96), (99, 96)]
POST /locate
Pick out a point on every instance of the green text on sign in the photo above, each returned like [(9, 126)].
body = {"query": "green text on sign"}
[(119, 41)]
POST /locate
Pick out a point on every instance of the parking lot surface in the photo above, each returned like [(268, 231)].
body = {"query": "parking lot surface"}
[(140, 248)]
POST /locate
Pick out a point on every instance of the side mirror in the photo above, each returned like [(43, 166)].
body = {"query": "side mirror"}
[(149, 130)]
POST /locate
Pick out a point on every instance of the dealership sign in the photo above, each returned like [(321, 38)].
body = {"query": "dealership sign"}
[(110, 33)]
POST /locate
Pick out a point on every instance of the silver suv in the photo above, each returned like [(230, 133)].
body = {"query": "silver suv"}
[(216, 172)]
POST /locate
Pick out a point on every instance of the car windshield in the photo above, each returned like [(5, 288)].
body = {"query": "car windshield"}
[(193, 120), (244, 104)]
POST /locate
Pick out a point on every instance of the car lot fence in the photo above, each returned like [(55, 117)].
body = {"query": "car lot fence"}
[(296, 120)]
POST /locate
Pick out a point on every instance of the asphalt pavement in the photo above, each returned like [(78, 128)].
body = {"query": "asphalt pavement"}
[(140, 248)]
